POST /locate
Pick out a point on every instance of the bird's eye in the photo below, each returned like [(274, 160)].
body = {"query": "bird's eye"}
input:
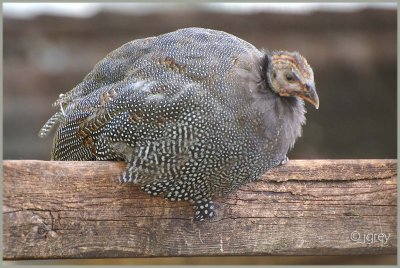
[(274, 75), (289, 77)]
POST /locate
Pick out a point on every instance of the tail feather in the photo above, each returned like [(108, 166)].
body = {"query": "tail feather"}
[(56, 118)]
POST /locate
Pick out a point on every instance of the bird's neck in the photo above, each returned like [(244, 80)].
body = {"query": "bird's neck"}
[(287, 115)]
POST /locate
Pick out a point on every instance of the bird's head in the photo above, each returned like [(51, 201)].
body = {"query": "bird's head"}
[(289, 75)]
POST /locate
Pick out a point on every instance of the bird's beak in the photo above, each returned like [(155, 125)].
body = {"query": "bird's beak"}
[(310, 95)]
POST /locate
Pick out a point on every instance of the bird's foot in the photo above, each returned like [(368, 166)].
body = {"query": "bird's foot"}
[(285, 161)]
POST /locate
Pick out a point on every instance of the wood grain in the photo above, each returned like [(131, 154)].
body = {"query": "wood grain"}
[(307, 207)]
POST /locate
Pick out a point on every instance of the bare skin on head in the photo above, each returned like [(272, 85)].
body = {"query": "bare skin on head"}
[(290, 75)]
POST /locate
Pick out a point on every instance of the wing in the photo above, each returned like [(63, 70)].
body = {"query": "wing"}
[(114, 68)]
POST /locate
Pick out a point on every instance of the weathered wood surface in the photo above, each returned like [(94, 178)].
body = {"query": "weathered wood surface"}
[(307, 207)]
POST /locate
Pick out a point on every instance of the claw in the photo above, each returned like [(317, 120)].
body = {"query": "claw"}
[(285, 160)]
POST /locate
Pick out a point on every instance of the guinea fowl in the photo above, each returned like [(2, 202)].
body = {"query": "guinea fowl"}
[(194, 113)]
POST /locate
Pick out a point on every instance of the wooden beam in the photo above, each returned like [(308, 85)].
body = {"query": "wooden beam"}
[(307, 207)]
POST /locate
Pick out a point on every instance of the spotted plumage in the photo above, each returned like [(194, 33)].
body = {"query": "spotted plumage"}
[(194, 113)]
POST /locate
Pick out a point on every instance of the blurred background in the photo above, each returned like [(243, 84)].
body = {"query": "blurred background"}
[(49, 48)]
